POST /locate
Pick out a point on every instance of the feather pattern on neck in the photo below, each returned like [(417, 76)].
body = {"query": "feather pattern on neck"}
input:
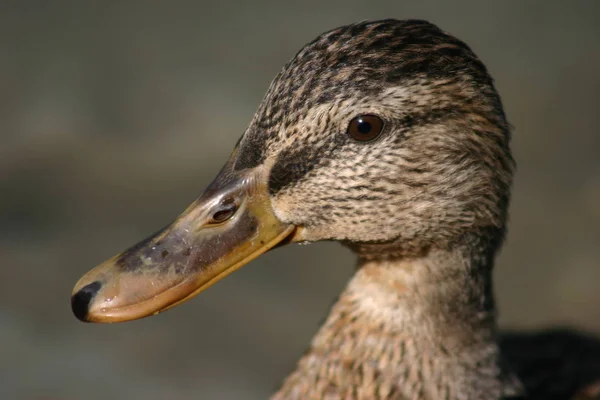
[(408, 329)]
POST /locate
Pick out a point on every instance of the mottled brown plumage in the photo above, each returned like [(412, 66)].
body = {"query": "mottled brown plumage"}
[(420, 193), (424, 207)]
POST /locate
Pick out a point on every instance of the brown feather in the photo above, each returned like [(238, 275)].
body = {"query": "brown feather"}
[(424, 206)]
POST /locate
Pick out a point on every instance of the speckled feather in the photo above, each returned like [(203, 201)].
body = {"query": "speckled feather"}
[(424, 206)]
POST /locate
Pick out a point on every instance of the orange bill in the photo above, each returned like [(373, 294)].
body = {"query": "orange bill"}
[(230, 224)]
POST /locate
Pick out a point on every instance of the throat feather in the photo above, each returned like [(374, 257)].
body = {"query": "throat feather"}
[(408, 329)]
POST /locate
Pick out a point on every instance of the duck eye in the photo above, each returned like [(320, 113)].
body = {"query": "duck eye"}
[(365, 127)]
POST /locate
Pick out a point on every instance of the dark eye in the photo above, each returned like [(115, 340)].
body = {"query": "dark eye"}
[(365, 127)]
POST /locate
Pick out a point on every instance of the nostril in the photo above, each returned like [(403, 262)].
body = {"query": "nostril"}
[(81, 300), (226, 211), (223, 215)]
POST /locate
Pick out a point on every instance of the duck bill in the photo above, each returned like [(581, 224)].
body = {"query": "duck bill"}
[(230, 224)]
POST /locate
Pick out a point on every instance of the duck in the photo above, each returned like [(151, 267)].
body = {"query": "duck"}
[(389, 137)]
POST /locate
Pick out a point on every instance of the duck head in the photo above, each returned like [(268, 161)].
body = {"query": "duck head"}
[(387, 136)]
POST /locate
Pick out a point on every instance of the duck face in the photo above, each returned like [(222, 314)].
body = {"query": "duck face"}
[(388, 136)]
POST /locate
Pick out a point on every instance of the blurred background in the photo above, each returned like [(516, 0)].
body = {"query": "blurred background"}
[(115, 115)]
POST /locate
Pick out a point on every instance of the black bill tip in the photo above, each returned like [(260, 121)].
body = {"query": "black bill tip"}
[(81, 300)]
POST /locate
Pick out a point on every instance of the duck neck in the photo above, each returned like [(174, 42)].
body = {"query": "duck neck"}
[(418, 328)]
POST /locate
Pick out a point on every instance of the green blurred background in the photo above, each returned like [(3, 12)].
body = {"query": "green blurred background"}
[(115, 115)]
